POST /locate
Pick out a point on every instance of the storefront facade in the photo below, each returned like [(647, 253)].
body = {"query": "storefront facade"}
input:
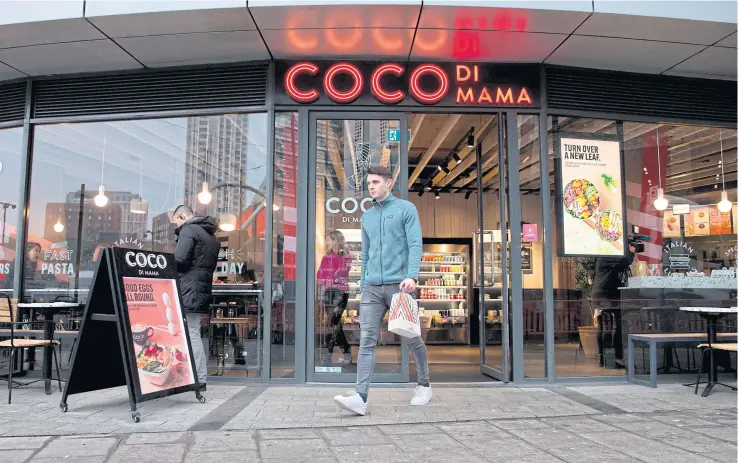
[(273, 147)]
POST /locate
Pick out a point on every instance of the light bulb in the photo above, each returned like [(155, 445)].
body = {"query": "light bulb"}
[(101, 200), (58, 226), (660, 203), (275, 207), (227, 222), (204, 196), (724, 205)]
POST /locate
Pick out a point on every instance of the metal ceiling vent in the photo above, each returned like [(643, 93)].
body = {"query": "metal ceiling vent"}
[(12, 101), (152, 91), (664, 97)]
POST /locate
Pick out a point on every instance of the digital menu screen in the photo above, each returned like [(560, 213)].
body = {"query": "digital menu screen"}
[(591, 197)]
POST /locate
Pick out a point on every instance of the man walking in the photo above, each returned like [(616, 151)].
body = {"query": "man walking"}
[(391, 248), (197, 256)]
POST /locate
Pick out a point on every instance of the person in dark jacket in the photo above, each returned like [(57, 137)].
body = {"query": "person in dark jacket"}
[(605, 292), (196, 256)]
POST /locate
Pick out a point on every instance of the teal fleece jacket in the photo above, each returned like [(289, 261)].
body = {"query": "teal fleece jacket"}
[(391, 242)]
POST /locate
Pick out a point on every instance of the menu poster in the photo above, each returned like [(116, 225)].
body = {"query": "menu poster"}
[(719, 222), (590, 196), (735, 218), (158, 343), (672, 225), (157, 334)]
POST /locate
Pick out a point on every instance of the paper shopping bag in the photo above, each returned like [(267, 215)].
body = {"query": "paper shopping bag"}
[(404, 317)]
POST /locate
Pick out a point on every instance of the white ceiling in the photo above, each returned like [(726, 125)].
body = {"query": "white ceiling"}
[(73, 36)]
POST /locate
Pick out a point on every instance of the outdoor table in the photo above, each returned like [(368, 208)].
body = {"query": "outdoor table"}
[(48, 309), (711, 314)]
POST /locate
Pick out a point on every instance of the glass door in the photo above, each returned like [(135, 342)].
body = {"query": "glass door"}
[(343, 147), (491, 251)]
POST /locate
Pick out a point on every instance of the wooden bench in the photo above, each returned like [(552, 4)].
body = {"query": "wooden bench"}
[(653, 340)]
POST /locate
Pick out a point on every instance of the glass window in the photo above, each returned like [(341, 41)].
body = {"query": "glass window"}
[(11, 142), (148, 168), (346, 149), (531, 216), (284, 245), (599, 301), (585, 319)]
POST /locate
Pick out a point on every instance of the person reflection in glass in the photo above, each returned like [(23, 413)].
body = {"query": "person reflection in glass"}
[(333, 274), (608, 279)]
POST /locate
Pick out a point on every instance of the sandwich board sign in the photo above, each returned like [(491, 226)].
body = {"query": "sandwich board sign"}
[(133, 331)]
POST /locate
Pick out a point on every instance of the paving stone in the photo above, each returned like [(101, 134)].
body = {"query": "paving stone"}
[(727, 433), (65, 447), (360, 436), (298, 433), (369, 454), (92, 459), (444, 456), (393, 430), (591, 454), (504, 446), (164, 453), (210, 441), (294, 449), (693, 442), (549, 438), (519, 424), (22, 443), (723, 457), (154, 438), (15, 455), (580, 424), (437, 442), (229, 456)]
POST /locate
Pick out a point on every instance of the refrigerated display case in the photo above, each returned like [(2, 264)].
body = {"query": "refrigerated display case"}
[(443, 293)]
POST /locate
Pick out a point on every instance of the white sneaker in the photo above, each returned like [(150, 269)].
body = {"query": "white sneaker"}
[(422, 395), (352, 402)]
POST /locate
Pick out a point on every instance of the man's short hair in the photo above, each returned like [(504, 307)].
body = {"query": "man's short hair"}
[(183, 209), (383, 172)]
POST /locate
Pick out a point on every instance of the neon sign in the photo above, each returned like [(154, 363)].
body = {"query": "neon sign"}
[(392, 83)]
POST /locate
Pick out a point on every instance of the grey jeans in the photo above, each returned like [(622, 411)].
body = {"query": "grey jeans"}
[(198, 350), (375, 301)]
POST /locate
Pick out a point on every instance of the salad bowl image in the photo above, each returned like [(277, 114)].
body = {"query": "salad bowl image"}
[(154, 363), (581, 199), (609, 225)]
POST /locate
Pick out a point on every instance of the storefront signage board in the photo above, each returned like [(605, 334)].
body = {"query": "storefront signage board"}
[(476, 85), (133, 330), (590, 195)]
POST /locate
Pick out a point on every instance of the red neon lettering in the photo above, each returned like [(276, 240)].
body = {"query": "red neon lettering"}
[(379, 92), (336, 95), (425, 97), (292, 90)]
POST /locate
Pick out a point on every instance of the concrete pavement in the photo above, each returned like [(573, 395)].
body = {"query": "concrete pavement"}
[(604, 422)]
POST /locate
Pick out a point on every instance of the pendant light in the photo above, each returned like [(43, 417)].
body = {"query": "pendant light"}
[(227, 222), (724, 205), (204, 196), (660, 203), (139, 205), (58, 226), (101, 200)]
